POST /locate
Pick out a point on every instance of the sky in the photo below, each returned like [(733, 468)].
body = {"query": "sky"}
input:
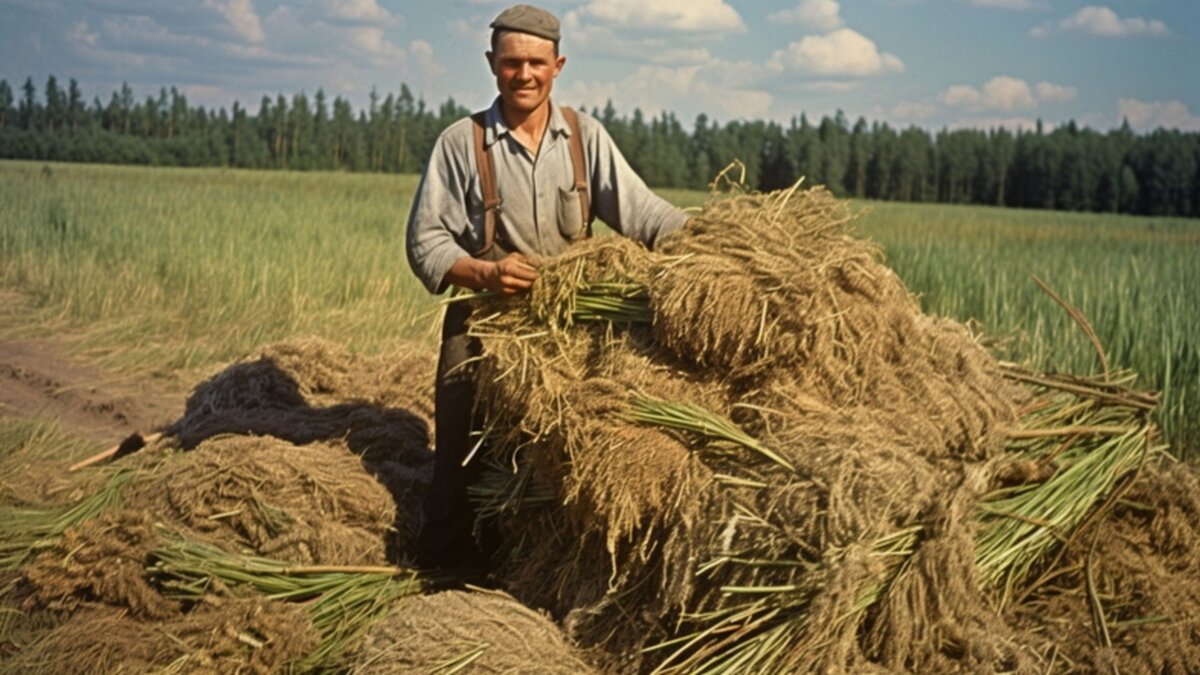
[(930, 63)]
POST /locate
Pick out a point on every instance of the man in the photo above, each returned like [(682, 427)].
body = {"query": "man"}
[(501, 190)]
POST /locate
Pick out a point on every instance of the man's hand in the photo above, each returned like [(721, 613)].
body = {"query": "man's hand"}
[(511, 275)]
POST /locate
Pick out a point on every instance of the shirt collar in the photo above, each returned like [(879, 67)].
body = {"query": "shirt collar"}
[(495, 128)]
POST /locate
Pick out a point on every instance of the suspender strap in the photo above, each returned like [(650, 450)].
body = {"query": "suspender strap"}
[(486, 167), (581, 181)]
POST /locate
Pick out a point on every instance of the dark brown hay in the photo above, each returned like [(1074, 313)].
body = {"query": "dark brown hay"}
[(309, 390), (102, 560), (311, 504), (247, 635), (1146, 566), (480, 631)]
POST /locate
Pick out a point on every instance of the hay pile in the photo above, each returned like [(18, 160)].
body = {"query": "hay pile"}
[(472, 631), (285, 469), (773, 461)]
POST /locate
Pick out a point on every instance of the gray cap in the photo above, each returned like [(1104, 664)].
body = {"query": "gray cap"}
[(528, 19)]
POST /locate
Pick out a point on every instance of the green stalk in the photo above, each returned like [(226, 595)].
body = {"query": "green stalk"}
[(342, 602), (26, 530), (1019, 527), (697, 420)]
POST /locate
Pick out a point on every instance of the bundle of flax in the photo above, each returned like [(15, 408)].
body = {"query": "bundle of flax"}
[(749, 451)]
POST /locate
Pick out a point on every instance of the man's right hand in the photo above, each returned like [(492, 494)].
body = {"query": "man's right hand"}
[(511, 275)]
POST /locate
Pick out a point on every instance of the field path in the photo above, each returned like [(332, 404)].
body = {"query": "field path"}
[(38, 378)]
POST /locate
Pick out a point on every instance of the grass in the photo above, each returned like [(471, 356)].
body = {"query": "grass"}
[(165, 270), (176, 269), (1135, 279)]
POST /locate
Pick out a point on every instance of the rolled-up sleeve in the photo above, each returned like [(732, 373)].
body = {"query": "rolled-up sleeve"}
[(622, 198), (438, 218)]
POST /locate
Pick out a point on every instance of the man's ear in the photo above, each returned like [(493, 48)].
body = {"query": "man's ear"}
[(491, 63), (558, 65)]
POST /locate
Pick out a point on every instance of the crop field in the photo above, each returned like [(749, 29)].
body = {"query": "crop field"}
[(179, 270)]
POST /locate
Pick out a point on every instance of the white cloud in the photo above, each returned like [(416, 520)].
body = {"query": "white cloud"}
[(1055, 93), (687, 16), (1000, 93), (719, 89), (82, 36), (590, 38), (1148, 115), (830, 86), (241, 17), (1104, 22), (366, 11), (373, 42), (424, 60), (842, 52), (822, 15), (1005, 93)]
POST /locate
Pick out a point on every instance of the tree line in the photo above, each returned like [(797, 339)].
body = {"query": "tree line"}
[(1069, 167)]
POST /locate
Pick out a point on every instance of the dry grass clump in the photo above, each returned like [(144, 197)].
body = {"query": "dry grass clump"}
[(313, 392), (101, 560), (167, 573), (310, 504), (777, 463), (1126, 597), (465, 631), (245, 635)]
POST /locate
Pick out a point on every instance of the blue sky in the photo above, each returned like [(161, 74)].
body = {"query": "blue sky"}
[(933, 63)]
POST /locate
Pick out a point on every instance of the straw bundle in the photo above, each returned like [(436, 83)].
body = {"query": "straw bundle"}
[(466, 631), (759, 456)]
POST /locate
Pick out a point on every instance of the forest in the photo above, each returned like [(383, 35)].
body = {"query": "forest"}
[(1067, 167)]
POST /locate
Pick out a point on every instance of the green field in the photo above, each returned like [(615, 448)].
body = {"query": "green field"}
[(169, 270)]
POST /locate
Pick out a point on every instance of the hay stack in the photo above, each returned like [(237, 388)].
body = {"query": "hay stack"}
[(747, 451), (310, 504), (308, 391), (340, 486), (473, 631), (825, 507), (1144, 563)]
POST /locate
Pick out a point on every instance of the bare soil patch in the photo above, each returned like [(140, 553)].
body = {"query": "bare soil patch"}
[(39, 378)]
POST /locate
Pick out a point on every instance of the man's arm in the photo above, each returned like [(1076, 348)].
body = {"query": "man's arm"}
[(510, 275), (620, 197), (438, 217)]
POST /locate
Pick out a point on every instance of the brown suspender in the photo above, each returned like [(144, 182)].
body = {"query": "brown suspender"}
[(581, 182), (487, 183), (486, 166)]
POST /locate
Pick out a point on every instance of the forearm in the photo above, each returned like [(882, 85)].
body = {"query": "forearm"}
[(468, 272)]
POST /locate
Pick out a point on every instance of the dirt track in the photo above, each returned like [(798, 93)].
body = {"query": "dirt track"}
[(38, 378)]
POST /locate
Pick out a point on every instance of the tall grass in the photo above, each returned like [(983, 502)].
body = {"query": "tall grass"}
[(1137, 280), (166, 269), (181, 268)]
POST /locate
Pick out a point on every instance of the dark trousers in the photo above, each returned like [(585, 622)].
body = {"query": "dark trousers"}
[(446, 538)]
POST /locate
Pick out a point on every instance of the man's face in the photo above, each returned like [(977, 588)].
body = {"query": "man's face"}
[(525, 67)]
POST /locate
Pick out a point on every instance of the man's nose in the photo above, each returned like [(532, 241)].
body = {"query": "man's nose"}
[(524, 71)]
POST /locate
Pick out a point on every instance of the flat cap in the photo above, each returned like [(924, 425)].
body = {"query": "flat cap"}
[(528, 19)]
